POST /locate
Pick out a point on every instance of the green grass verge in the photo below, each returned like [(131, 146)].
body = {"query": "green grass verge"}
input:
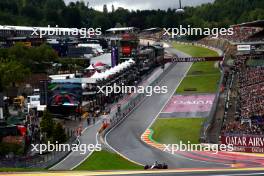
[(195, 51), (202, 77), (21, 169), (199, 84), (203, 68), (174, 130), (104, 160)]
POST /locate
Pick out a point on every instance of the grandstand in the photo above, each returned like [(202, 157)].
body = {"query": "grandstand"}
[(240, 106), (121, 31), (245, 102), (28, 31), (152, 33), (250, 33), (245, 32), (244, 85)]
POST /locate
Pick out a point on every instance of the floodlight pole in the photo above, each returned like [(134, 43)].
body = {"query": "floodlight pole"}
[(180, 3)]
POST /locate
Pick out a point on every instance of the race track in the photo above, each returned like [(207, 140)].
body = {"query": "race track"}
[(125, 138)]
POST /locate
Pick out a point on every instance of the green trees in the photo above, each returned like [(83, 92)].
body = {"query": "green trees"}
[(105, 9), (27, 59), (72, 16), (59, 134), (11, 69), (221, 13), (12, 72), (101, 21), (53, 131), (6, 148), (47, 124)]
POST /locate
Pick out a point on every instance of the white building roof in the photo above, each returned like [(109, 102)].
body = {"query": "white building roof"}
[(62, 76), (120, 29)]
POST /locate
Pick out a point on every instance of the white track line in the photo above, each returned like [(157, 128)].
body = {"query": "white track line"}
[(173, 92), (51, 168), (185, 74), (105, 137), (87, 155)]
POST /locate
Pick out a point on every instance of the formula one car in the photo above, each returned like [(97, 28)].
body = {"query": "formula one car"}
[(156, 165)]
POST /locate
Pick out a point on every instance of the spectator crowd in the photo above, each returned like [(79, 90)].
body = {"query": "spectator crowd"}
[(241, 34), (249, 101)]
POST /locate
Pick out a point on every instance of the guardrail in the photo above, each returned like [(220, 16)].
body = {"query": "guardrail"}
[(210, 119)]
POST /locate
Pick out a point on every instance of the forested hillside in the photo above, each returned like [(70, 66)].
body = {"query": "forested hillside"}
[(51, 12)]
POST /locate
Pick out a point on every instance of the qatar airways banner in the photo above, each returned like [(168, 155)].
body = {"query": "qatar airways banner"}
[(245, 143), (194, 59)]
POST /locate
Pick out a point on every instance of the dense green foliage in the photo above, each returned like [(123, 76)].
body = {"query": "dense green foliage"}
[(47, 124), (6, 148), (55, 12), (29, 57), (12, 72), (59, 134), (17, 62), (53, 131)]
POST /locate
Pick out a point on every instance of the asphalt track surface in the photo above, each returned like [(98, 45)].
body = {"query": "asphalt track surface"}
[(235, 172), (89, 134), (125, 138), (202, 173)]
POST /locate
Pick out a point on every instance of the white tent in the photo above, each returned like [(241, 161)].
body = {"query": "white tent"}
[(90, 67), (95, 75), (131, 61), (112, 71), (62, 76)]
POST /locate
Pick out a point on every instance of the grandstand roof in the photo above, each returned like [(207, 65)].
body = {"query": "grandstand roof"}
[(258, 36), (121, 29), (152, 29), (258, 23), (31, 28)]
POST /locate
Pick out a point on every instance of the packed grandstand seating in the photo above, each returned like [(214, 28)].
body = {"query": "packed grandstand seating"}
[(256, 37), (236, 127), (242, 90), (249, 102), (251, 92), (243, 34)]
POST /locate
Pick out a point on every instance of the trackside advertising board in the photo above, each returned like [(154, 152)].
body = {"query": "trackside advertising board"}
[(243, 47), (245, 143), (194, 59)]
